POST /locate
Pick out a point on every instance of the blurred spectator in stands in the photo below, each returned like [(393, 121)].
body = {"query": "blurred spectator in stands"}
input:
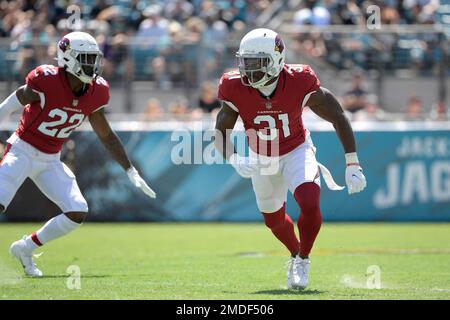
[(50, 48), (208, 101), (254, 10), (232, 11), (179, 108), (215, 36), (192, 51), (62, 28), (98, 7), (313, 13), (51, 54), (52, 9), (439, 112), (207, 9), (153, 110), (151, 37), (372, 112), (162, 77), (414, 108), (419, 11), (172, 52), (179, 10), (355, 99), (8, 17), (184, 42), (311, 44), (33, 46), (349, 13), (389, 15), (135, 16), (21, 22), (115, 17), (117, 60), (154, 26)]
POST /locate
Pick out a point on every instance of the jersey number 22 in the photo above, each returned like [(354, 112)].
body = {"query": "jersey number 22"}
[(51, 129)]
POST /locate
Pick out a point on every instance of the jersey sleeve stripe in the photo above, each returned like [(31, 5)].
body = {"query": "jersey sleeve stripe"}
[(231, 105), (41, 96), (306, 98), (104, 106)]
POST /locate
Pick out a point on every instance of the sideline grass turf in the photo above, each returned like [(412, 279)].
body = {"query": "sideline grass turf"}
[(231, 261)]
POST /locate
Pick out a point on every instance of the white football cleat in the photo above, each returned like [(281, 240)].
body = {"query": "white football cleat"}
[(297, 276), (303, 271), (18, 249), (293, 279)]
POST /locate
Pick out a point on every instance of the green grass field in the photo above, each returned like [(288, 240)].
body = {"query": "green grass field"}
[(231, 261)]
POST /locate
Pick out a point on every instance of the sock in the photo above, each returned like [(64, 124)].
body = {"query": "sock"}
[(54, 228), (283, 228), (310, 220)]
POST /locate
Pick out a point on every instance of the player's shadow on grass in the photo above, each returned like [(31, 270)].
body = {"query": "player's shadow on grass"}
[(88, 276), (289, 292)]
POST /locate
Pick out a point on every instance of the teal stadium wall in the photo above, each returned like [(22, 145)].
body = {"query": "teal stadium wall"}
[(408, 174)]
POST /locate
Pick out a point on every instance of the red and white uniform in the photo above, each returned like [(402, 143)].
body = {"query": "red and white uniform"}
[(275, 131), (278, 120), (47, 124), (34, 149)]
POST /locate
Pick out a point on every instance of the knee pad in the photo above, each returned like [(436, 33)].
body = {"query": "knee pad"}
[(307, 196), (274, 219)]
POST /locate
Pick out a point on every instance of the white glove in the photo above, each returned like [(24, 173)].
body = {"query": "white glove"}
[(244, 166), (136, 179), (354, 177)]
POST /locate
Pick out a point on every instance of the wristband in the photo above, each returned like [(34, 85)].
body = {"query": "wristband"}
[(351, 159)]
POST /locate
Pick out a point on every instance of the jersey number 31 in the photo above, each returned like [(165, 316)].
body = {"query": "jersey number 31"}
[(272, 126)]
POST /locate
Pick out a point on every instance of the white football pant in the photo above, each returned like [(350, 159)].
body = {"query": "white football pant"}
[(52, 177), (282, 174)]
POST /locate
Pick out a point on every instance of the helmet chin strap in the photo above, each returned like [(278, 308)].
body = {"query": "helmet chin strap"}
[(262, 84), (267, 90)]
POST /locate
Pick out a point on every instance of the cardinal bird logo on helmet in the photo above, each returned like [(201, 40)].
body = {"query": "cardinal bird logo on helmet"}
[(279, 45), (64, 44)]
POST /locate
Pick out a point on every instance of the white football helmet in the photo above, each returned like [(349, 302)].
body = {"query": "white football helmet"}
[(260, 57), (79, 54)]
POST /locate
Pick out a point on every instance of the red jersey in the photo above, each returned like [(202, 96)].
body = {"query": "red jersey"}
[(273, 124), (47, 124)]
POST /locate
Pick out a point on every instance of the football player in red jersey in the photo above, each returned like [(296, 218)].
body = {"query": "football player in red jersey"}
[(57, 100), (269, 96)]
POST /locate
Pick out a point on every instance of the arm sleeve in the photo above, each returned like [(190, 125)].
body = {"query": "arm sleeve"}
[(223, 93), (105, 98), (103, 95), (312, 81), (311, 84), (34, 79)]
